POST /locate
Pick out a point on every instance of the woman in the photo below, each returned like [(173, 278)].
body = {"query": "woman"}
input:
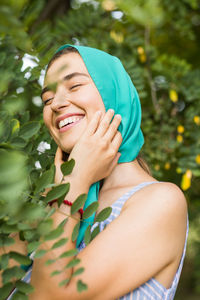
[(92, 111)]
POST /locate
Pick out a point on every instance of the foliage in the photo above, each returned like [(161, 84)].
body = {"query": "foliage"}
[(157, 42)]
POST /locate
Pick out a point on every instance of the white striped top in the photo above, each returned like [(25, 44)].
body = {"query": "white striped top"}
[(152, 289)]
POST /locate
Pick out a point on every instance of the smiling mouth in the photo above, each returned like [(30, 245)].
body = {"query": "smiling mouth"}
[(68, 123)]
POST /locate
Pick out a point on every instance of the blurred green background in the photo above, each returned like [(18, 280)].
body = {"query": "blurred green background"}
[(157, 41)]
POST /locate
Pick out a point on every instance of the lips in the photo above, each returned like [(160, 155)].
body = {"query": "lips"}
[(66, 116), (67, 127)]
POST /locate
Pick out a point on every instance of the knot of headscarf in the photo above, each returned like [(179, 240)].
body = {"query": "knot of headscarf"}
[(117, 92)]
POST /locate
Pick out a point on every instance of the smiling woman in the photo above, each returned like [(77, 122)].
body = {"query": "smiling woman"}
[(93, 113)]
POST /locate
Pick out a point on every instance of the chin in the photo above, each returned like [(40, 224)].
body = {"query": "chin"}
[(67, 148)]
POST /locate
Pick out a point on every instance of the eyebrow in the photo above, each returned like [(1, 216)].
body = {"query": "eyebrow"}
[(67, 77)]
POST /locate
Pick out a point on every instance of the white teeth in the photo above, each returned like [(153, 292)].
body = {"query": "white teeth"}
[(69, 120)]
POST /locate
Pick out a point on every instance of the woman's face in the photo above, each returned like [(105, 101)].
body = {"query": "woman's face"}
[(69, 96)]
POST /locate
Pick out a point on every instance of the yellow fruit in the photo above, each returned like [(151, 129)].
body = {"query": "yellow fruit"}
[(173, 95), (157, 167), (180, 129), (143, 58), (186, 180), (167, 166), (142, 55), (140, 50), (178, 170), (179, 138), (197, 159), (108, 5), (197, 120), (117, 37)]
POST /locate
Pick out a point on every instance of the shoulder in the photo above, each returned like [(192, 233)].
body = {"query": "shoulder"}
[(163, 208), (162, 196)]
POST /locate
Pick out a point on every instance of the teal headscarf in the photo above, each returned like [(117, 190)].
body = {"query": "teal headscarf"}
[(117, 92)]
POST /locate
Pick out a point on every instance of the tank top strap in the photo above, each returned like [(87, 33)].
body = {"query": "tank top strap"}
[(120, 201)]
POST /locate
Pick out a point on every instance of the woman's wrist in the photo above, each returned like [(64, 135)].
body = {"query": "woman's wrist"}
[(78, 183)]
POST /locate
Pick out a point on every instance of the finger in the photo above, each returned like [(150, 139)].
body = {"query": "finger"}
[(94, 123), (105, 123), (115, 161), (113, 128), (117, 140)]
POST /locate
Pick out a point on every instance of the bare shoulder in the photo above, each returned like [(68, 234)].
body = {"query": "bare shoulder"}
[(170, 196), (162, 204), (165, 195)]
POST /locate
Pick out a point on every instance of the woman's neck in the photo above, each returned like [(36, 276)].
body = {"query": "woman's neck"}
[(125, 174)]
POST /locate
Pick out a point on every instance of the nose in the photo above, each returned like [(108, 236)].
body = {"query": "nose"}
[(60, 100)]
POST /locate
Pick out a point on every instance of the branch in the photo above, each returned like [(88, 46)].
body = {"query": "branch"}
[(149, 72), (51, 9)]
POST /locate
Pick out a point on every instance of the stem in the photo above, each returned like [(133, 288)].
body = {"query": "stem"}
[(149, 72)]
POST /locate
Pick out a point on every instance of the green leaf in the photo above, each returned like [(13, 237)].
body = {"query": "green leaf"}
[(81, 286), (60, 200), (57, 192), (95, 232), (78, 271), (29, 129), (20, 258), (50, 212), (33, 246), (56, 272), (90, 210), (45, 227), (40, 253), (72, 263), (75, 231), (71, 252), (5, 290), (78, 203), (103, 215), (6, 228), (6, 241), (60, 243), (44, 180), (14, 272), (4, 259), (54, 234), (64, 282), (15, 124), (18, 142), (67, 167), (87, 235), (23, 226), (24, 287), (19, 296), (50, 262)]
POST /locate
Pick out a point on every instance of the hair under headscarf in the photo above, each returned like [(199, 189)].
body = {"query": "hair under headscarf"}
[(119, 93)]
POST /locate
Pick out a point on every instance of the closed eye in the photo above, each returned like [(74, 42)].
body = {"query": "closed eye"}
[(46, 101), (74, 86)]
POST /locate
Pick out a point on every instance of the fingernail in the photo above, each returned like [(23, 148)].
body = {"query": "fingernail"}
[(118, 116), (98, 112), (111, 110)]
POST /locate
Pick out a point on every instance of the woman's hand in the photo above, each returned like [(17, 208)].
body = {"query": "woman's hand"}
[(96, 152)]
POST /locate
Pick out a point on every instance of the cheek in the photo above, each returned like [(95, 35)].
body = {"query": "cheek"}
[(90, 100), (46, 117)]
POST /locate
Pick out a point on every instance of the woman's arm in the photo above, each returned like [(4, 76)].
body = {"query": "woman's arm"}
[(41, 279), (145, 238)]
